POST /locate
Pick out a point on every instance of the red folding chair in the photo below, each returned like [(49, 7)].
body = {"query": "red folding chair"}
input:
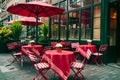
[(42, 69), (97, 57), (77, 67), (15, 47)]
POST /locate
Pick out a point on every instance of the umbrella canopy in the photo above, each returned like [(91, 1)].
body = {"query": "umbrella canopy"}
[(28, 21), (35, 9)]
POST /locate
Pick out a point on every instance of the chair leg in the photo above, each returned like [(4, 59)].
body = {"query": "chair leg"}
[(42, 74), (100, 59), (76, 74), (95, 60)]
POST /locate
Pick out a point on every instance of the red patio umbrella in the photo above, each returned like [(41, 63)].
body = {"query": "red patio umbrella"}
[(28, 21), (35, 9)]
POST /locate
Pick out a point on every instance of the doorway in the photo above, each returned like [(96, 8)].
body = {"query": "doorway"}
[(114, 27)]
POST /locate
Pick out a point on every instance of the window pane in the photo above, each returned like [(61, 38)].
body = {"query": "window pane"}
[(96, 23), (87, 2), (54, 28), (54, 1), (75, 4), (97, 1), (74, 25), (63, 26), (63, 4), (85, 24)]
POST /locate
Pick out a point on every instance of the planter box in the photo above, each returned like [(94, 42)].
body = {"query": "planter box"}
[(3, 48)]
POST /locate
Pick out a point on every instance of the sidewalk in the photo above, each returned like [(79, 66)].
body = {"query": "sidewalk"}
[(91, 72)]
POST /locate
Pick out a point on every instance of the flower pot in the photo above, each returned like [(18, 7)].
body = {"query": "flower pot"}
[(59, 49)]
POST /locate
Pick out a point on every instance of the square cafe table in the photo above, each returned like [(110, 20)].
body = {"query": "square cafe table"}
[(59, 62)]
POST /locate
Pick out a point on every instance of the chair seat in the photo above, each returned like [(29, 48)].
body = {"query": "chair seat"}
[(17, 54), (97, 54), (77, 65), (41, 65), (32, 57)]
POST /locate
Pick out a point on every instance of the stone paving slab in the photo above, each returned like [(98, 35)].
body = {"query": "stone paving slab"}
[(91, 72)]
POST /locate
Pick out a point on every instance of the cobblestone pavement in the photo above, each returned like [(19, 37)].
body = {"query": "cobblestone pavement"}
[(91, 72)]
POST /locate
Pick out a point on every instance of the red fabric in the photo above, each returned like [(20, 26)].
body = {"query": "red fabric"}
[(59, 62), (35, 9), (83, 49), (29, 21), (36, 49)]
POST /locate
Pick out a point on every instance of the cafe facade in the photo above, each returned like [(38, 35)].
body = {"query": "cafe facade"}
[(97, 20)]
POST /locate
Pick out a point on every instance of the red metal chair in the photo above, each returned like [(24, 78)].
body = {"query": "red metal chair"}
[(97, 57), (74, 45), (77, 67), (15, 47), (42, 69)]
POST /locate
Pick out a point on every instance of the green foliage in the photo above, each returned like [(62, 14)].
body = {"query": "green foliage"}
[(16, 28), (43, 35), (1, 25), (5, 34)]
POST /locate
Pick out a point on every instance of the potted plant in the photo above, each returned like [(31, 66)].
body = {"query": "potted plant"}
[(16, 28), (4, 38), (43, 35)]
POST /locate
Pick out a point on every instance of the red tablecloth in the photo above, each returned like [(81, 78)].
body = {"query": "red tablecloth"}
[(36, 49), (59, 62), (83, 49)]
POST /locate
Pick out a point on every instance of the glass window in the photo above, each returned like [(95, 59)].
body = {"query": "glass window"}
[(85, 24), (97, 1), (113, 26), (63, 26), (74, 25), (54, 27), (54, 1), (96, 23), (63, 4), (87, 2), (74, 4)]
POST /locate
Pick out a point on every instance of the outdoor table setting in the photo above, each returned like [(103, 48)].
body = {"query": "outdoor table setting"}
[(59, 61), (31, 49), (36, 49), (82, 49)]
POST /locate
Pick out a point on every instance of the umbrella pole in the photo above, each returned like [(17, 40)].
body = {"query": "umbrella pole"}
[(36, 28)]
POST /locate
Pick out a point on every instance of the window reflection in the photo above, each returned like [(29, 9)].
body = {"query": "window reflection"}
[(54, 27), (87, 2), (74, 25), (63, 26), (85, 24), (96, 24), (96, 1)]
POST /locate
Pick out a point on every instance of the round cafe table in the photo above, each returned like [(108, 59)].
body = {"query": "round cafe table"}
[(86, 47), (59, 62), (82, 49), (36, 49)]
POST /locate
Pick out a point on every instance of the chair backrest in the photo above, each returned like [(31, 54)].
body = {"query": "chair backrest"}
[(88, 54), (85, 60), (53, 44), (103, 48), (74, 45), (32, 58), (47, 48), (66, 45)]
